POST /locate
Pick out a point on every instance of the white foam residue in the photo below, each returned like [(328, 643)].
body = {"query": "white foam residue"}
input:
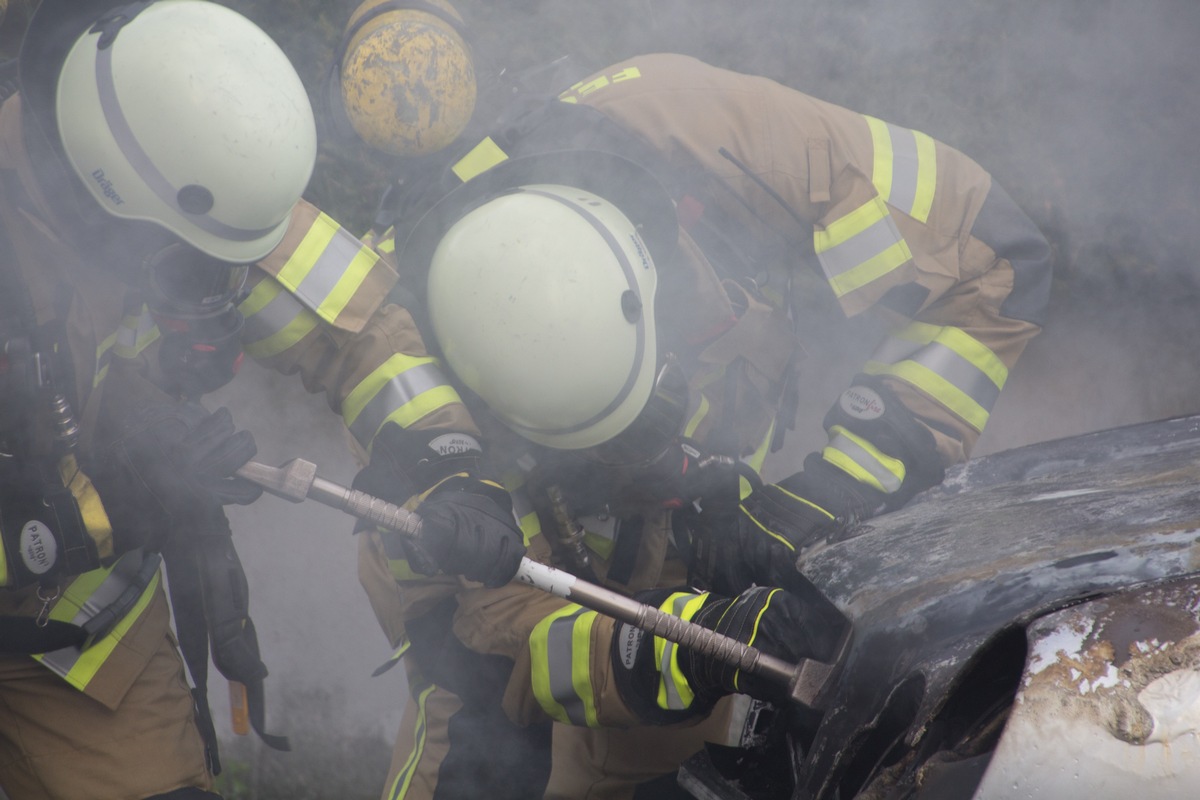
[(1174, 704), (1046, 649)]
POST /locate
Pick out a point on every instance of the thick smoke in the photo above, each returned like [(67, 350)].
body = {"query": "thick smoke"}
[(1085, 110)]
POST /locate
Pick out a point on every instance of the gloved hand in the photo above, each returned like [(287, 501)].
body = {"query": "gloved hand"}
[(171, 463), (467, 527), (756, 541), (776, 622)]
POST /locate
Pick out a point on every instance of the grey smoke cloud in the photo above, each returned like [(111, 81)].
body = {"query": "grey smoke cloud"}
[(1086, 110)]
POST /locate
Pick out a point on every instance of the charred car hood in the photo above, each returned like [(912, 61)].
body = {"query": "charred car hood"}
[(1004, 540)]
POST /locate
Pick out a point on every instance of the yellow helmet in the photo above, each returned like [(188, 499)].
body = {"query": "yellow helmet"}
[(407, 81)]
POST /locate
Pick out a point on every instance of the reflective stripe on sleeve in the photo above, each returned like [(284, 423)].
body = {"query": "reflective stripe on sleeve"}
[(275, 320), (135, 333), (327, 268), (402, 390), (560, 649), (84, 598), (674, 692), (946, 363), (863, 461), (905, 167), (860, 247)]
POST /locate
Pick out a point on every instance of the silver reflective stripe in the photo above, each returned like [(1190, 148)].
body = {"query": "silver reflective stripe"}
[(272, 318), (394, 394), (107, 593), (965, 376), (131, 340), (667, 674), (522, 505), (860, 248), (904, 167), (868, 462), (328, 269), (560, 656)]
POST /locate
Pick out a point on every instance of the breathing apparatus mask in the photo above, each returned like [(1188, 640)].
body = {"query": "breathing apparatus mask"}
[(193, 298)]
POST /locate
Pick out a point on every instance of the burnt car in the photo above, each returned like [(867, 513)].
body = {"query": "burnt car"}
[(1028, 629)]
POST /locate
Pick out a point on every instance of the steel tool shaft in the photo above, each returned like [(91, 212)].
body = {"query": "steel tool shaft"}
[(297, 480)]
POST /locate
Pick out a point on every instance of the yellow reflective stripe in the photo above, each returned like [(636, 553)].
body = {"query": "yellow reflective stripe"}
[(581, 665), (387, 245), (948, 364), (482, 157), (674, 692), (783, 540), (926, 177), (936, 387), (260, 296), (560, 665), (275, 320), (403, 781), (308, 252), (860, 247), (280, 341), (106, 345), (343, 291), (754, 634), (327, 268), (881, 168), (904, 168), (756, 460), (135, 334), (701, 412), (103, 358), (76, 595), (863, 461), (514, 483), (600, 545), (583, 89), (974, 351), (91, 509), (402, 389), (530, 526)]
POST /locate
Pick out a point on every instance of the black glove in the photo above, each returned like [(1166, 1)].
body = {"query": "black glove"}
[(467, 527), (172, 463), (737, 545), (778, 623)]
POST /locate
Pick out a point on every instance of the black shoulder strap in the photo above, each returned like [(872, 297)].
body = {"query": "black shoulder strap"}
[(210, 601)]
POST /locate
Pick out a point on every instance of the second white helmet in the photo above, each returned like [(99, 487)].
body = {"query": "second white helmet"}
[(542, 302)]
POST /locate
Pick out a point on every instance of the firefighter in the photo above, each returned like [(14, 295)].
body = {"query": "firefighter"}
[(152, 151), (608, 292)]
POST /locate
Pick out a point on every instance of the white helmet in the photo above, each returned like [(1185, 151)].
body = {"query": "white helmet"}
[(541, 299), (186, 114)]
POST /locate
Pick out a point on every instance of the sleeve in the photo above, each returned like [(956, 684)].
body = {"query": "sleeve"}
[(317, 306), (894, 221)]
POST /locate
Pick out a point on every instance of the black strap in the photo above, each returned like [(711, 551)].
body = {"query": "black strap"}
[(209, 597), (24, 635)]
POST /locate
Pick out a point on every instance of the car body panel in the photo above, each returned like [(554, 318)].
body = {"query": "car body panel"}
[(1010, 543)]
